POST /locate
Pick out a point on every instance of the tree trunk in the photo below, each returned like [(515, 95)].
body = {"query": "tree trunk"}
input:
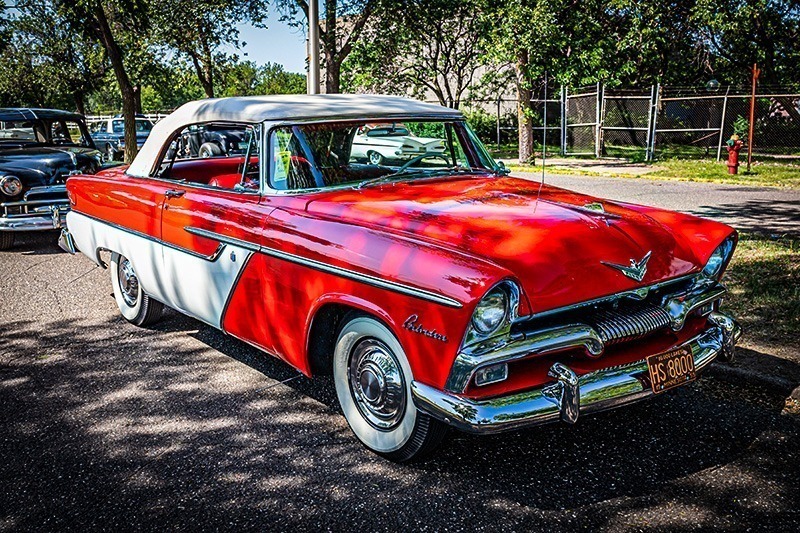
[(137, 91), (333, 63), (80, 103), (204, 74), (524, 94), (333, 71), (125, 86)]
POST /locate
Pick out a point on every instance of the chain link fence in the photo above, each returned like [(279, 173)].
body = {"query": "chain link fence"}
[(650, 122)]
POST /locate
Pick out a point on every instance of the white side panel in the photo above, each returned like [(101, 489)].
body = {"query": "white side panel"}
[(199, 287), (144, 254), (188, 283)]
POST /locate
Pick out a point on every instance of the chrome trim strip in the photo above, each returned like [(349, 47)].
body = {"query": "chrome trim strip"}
[(46, 189), (563, 399), (501, 350), (633, 293), (331, 269), (211, 258)]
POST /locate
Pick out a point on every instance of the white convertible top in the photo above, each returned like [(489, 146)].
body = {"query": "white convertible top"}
[(285, 107)]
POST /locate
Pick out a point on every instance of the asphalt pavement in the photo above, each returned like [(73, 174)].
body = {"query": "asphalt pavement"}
[(766, 210), (109, 426)]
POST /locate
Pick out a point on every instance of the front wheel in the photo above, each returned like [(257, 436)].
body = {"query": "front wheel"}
[(6, 239), (375, 158), (134, 304), (373, 383)]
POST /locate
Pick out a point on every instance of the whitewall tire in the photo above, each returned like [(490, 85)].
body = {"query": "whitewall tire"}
[(134, 304), (373, 384)]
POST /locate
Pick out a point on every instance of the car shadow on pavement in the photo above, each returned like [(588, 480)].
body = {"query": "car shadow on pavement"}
[(108, 425), (35, 243), (757, 216)]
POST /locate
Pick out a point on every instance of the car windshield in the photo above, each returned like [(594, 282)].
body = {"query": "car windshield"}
[(362, 153), (142, 126)]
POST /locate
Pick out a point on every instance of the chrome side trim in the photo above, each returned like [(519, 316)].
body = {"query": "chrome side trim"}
[(331, 269), (568, 397), (213, 257)]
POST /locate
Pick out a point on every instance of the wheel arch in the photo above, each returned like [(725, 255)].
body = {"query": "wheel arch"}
[(324, 321)]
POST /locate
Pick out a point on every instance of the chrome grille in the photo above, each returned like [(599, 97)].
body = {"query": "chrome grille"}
[(628, 322)]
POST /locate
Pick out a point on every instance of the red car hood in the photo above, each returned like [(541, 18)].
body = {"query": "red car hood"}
[(554, 246)]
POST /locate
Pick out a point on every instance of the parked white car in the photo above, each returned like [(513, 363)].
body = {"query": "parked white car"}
[(381, 142)]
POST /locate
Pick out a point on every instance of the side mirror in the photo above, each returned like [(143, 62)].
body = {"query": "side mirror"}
[(502, 170)]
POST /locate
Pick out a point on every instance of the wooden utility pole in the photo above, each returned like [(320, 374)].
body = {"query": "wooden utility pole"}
[(750, 143)]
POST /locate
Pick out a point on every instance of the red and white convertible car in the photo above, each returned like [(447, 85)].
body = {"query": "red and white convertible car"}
[(438, 292)]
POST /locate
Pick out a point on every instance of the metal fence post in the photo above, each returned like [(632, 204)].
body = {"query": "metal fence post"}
[(655, 122), (563, 120), (722, 124), (597, 122)]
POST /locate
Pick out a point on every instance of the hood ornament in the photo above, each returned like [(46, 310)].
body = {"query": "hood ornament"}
[(636, 271)]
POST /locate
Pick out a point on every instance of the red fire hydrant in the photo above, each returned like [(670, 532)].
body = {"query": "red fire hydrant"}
[(733, 146)]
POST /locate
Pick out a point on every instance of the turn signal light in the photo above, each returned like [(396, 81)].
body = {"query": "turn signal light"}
[(491, 374)]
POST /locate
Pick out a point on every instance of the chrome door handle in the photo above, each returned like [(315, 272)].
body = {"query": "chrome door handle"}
[(174, 193)]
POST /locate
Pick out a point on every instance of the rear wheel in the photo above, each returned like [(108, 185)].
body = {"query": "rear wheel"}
[(373, 384), (134, 304), (6, 239)]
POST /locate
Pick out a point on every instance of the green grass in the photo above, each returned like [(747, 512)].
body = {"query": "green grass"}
[(764, 283), (762, 173)]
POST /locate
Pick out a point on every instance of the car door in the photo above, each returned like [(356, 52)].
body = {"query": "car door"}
[(210, 227)]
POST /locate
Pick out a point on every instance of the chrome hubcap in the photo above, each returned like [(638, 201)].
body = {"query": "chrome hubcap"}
[(128, 282), (377, 384)]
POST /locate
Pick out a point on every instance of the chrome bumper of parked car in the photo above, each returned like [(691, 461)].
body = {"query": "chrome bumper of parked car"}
[(38, 217), (569, 395)]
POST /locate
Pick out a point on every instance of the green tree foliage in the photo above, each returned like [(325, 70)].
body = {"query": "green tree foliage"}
[(42, 61), (423, 48), (342, 28), (199, 30), (247, 78)]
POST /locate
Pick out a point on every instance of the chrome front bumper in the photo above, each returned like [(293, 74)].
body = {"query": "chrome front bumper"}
[(54, 217), (569, 395)]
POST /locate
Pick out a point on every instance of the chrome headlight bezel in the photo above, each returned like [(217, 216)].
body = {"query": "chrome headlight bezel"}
[(10, 185), (502, 297), (491, 311), (716, 263)]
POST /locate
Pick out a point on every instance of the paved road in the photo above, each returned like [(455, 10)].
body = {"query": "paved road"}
[(105, 425), (755, 209)]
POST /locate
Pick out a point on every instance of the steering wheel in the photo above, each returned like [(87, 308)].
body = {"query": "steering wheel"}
[(420, 158)]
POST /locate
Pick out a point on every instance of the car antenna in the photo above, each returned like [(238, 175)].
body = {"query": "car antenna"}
[(544, 142)]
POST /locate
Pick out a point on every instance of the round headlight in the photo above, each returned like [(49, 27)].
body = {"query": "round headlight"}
[(10, 185), (491, 311), (718, 259)]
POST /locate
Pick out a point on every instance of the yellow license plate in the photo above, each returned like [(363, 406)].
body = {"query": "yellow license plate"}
[(671, 369)]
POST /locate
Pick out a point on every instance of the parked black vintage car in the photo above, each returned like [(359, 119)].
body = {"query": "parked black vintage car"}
[(39, 149)]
